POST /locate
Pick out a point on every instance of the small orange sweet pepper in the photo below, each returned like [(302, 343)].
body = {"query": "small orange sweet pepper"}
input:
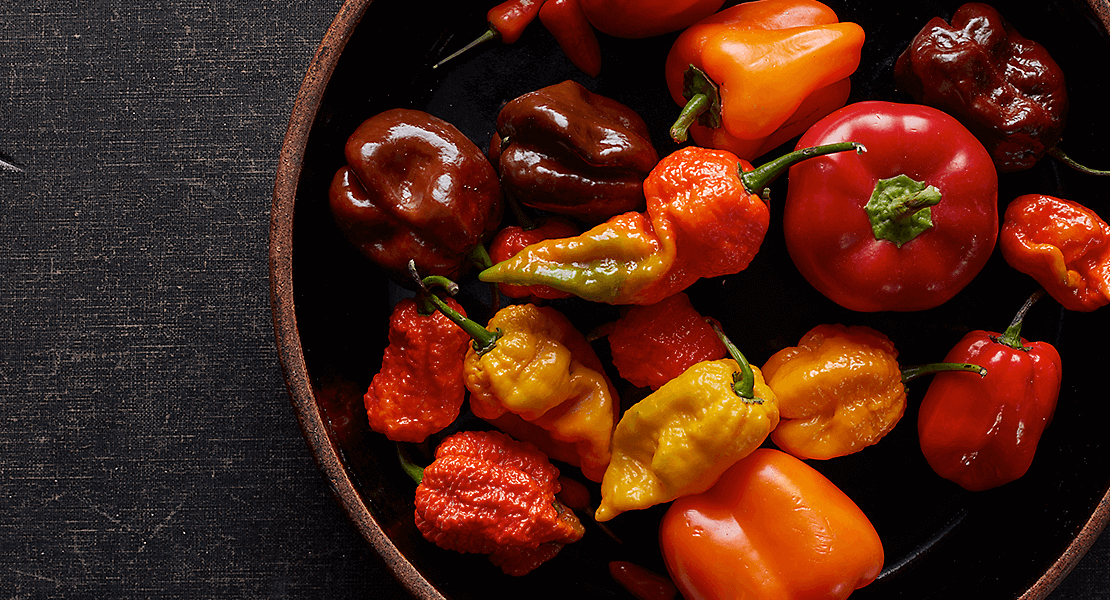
[(840, 390), (772, 527), (755, 75)]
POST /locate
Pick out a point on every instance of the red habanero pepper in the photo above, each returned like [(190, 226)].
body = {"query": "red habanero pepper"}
[(568, 24), (507, 22), (514, 238), (486, 493), (653, 344), (982, 432), (1062, 244), (419, 389), (902, 227), (633, 19)]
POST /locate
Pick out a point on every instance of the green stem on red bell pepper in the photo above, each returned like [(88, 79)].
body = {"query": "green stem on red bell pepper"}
[(1012, 336), (899, 208)]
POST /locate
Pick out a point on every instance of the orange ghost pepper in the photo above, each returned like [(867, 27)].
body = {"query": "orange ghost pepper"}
[(1063, 245), (771, 528), (705, 218), (757, 74), (840, 390)]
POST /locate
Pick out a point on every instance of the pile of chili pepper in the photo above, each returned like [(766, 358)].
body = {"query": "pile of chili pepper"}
[(890, 208)]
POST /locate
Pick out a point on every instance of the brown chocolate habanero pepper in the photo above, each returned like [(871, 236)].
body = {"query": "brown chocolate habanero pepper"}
[(566, 150), (415, 187)]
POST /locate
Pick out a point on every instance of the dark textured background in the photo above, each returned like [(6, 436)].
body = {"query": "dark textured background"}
[(147, 445)]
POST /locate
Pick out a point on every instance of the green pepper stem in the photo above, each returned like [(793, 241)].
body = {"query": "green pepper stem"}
[(1012, 336), (490, 35), (1058, 154), (758, 179), (743, 383), (484, 340), (480, 257), (410, 468), (695, 106), (913, 372)]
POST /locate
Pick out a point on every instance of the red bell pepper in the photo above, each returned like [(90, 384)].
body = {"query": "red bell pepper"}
[(982, 432), (771, 527), (931, 222)]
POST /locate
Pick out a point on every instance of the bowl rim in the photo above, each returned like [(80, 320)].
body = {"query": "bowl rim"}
[(291, 354)]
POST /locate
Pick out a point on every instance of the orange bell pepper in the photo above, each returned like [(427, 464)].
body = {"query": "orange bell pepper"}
[(760, 73), (771, 528)]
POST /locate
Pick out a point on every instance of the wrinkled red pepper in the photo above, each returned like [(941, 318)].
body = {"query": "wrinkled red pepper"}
[(1062, 244), (931, 222), (982, 432), (419, 389), (653, 344), (486, 493), (514, 238)]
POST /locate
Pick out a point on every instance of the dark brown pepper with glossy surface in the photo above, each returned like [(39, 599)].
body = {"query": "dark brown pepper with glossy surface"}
[(566, 150), (415, 187), (1003, 87)]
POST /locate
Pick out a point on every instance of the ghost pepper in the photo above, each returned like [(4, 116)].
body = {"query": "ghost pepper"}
[(772, 527), (486, 493), (679, 440), (653, 344), (840, 390), (530, 363), (754, 75), (1063, 245), (419, 388), (705, 218), (982, 432)]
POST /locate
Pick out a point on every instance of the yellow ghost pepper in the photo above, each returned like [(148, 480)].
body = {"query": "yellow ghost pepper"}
[(531, 362), (679, 440)]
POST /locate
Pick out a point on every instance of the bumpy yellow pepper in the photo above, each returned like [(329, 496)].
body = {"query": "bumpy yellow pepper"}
[(680, 439), (531, 362)]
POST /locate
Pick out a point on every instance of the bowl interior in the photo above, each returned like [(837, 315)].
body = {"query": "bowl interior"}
[(331, 307)]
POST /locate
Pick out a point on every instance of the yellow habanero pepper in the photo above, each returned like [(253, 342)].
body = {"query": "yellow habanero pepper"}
[(680, 439), (840, 390), (531, 362)]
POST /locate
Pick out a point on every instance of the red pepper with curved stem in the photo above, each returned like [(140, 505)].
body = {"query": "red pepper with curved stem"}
[(1062, 244), (507, 22), (982, 432), (568, 24), (902, 227), (633, 19)]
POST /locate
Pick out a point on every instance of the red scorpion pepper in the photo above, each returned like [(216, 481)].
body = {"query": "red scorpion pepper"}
[(568, 24), (632, 19), (486, 493), (759, 73), (419, 389), (514, 238), (902, 227), (1062, 244), (982, 432), (653, 344), (705, 218), (1003, 87), (772, 527)]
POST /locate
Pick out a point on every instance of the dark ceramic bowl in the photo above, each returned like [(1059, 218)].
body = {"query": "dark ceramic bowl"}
[(330, 308)]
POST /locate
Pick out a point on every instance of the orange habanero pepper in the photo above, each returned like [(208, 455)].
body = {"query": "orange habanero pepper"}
[(760, 73), (771, 528)]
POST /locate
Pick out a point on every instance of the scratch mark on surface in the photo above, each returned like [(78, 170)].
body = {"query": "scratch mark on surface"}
[(56, 582), (159, 527)]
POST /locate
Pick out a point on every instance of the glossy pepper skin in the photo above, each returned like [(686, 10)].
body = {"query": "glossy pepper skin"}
[(566, 150), (679, 440), (419, 389), (653, 344), (982, 432), (705, 218), (893, 252), (840, 390), (771, 69), (772, 527), (514, 238), (1003, 87), (633, 19), (1063, 245), (486, 493), (415, 187)]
